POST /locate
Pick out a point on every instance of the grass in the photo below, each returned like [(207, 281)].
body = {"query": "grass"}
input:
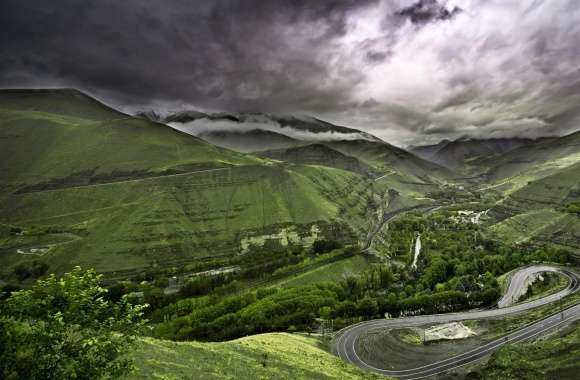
[(331, 272), (410, 336), (551, 358), (129, 225), (130, 222), (265, 356), (522, 227)]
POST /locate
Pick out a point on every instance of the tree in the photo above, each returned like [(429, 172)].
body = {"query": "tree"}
[(65, 328), (367, 307)]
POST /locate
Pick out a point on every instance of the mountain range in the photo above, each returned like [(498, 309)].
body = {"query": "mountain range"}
[(93, 186), (88, 185), (455, 153)]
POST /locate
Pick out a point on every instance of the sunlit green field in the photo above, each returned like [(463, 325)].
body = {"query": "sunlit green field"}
[(265, 356)]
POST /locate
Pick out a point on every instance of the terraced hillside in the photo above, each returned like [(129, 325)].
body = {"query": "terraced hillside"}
[(85, 184)]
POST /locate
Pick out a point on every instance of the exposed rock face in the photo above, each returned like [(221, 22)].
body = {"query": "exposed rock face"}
[(453, 330)]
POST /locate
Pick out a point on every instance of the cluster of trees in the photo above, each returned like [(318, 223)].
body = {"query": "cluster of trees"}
[(258, 264), (278, 309), (33, 269), (457, 271), (64, 328), (572, 208)]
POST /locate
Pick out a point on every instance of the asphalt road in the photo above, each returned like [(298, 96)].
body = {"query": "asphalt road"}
[(344, 342), (518, 283)]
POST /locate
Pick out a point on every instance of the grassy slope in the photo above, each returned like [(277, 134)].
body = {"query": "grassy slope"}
[(518, 167), (124, 225), (402, 170), (386, 158), (527, 225), (41, 137), (317, 154), (552, 358), (266, 356), (536, 181), (332, 272)]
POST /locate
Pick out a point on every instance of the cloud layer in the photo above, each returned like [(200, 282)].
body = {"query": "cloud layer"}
[(405, 70)]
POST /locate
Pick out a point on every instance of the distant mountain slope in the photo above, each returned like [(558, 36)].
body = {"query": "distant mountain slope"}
[(537, 181), (399, 169), (318, 154), (396, 167), (453, 154), (535, 160), (117, 192), (303, 128), (385, 157), (427, 152), (302, 123), (254, 140)]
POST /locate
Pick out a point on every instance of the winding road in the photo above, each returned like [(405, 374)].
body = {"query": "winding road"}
[(344, 341)]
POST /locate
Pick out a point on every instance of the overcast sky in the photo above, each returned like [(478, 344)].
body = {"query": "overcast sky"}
[(408, 71)]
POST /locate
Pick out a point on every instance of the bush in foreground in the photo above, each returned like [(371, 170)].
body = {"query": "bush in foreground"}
[(64, 328)]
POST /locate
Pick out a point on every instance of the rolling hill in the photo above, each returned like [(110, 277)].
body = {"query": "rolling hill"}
[(66, 136), (265, 356)]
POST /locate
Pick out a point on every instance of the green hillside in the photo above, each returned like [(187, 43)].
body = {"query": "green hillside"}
[(559, 188), (399, 169), (318, 154), (265, 356), (120, 193), (68, 137), (535, 183), (555, 358), (530, 162), (387, 157)]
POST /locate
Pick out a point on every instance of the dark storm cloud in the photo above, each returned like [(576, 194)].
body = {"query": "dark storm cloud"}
[(376, 56), (425, 11), (405, 70), (249, 54)]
